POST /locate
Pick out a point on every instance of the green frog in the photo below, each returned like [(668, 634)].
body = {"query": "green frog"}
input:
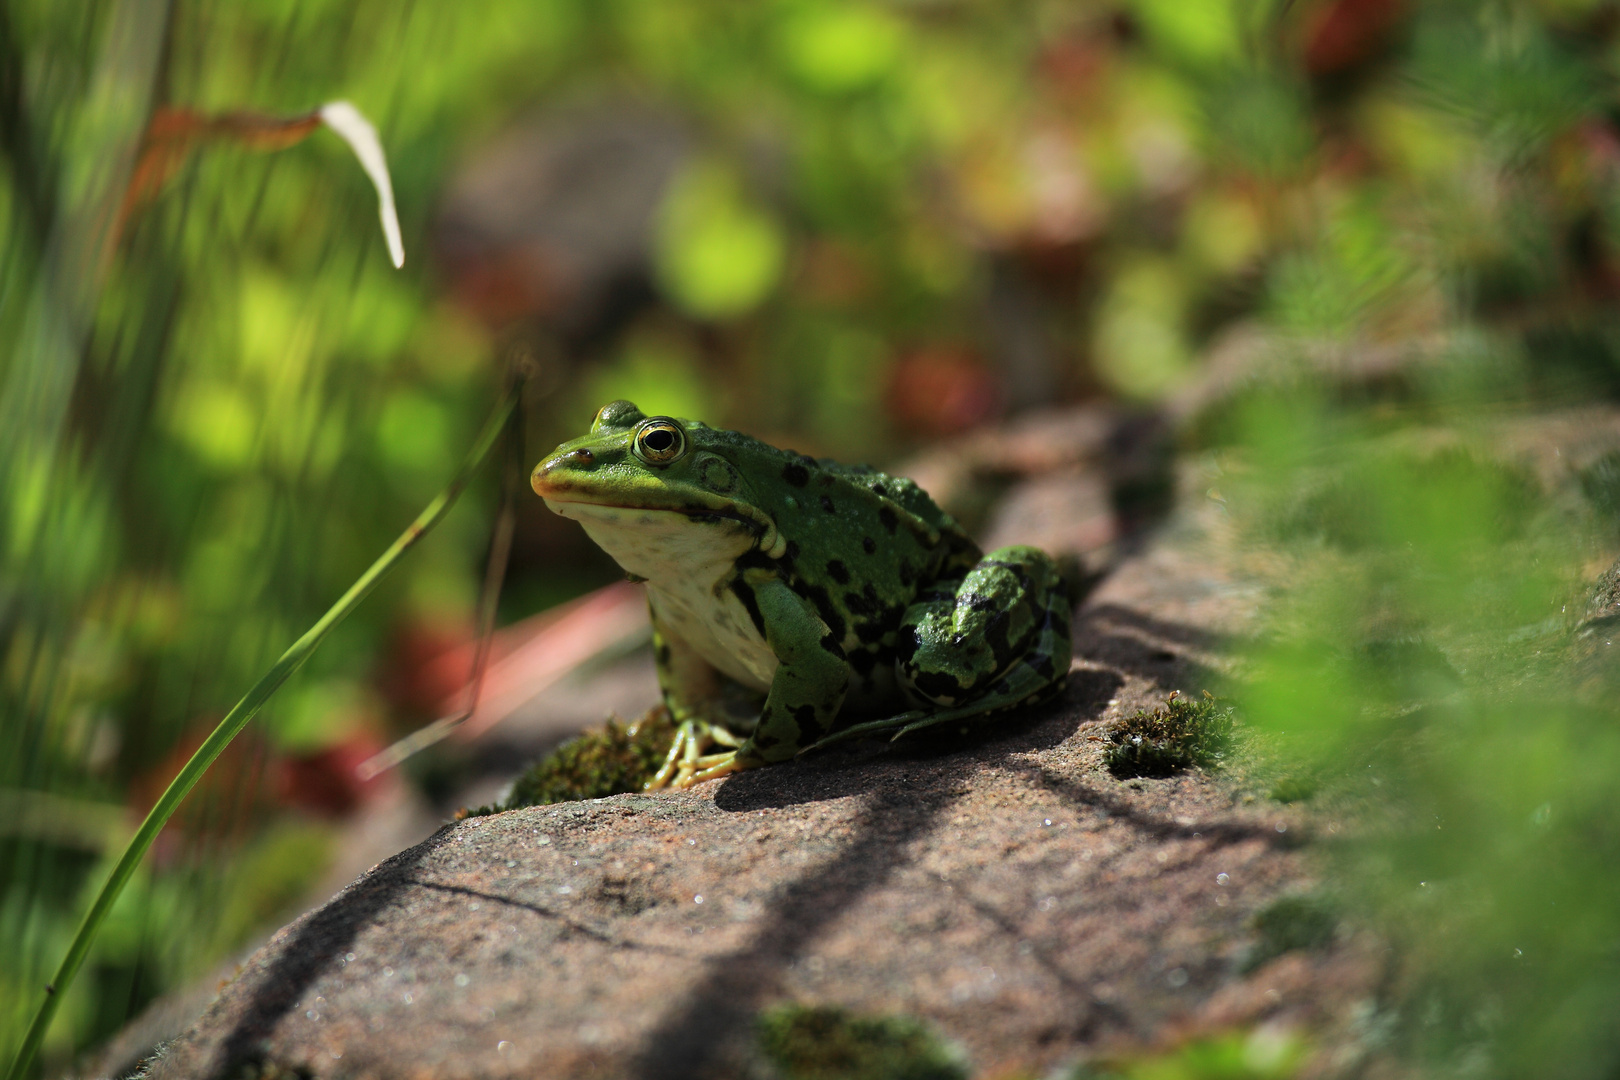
[(841, 597)]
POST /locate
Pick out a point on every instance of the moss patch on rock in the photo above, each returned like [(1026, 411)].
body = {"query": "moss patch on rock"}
[(827, 1043), (1180, 734), (611, 760)]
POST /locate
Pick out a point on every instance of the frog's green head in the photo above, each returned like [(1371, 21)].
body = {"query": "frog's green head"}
[(656, 470)]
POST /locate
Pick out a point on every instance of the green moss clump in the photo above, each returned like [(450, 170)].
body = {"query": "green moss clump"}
[(612, 760), (1178, 735), (259, 1067), (1289, 924), (826, 1043), (1293, 789)]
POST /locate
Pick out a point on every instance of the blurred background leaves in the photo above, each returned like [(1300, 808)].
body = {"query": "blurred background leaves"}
[(851, 228)]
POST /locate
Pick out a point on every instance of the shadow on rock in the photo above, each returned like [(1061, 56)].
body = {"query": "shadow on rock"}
[(707, 1032), (568, 925), (309, 947), (873, 763), (1092, 1015), (1156, 826), (1153, 649)]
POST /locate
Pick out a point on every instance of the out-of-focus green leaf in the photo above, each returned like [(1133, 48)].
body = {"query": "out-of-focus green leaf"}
[(321, 713), (413, 431), (840, 46), (1204, 32), (216, 421), (1141, 345), (719, 255), (659, 374)]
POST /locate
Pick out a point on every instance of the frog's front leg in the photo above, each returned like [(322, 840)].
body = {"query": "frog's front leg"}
[(691, 688), (688, 755), (812, 677)]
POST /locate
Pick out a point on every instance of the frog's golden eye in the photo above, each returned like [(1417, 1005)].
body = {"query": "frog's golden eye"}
[(659, 441)]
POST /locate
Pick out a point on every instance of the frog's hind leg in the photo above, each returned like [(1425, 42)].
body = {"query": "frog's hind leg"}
[(999, 640), (1001, 630), (1030, 682)]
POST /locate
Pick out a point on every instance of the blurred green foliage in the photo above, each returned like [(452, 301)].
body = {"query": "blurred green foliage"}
[(210, 421), (1262, 1054), (1291, 923)]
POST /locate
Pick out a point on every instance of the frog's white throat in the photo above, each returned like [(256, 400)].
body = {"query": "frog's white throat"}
[(688, 565), (666, 547)]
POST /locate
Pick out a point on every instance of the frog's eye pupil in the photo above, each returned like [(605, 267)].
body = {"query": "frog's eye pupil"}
[(659, 441)]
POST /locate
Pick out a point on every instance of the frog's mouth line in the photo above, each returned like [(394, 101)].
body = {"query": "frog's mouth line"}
[(701, 515)]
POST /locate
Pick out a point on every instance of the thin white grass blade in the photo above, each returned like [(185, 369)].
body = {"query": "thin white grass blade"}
[(357, 131)]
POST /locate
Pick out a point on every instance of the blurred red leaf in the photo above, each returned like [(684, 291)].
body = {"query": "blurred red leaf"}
[(172, 134), (327, 781), (231, 796), (940, 390), (427, 661), (1347, 33)]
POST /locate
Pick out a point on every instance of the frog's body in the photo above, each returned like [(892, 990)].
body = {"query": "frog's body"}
[(839, 593)]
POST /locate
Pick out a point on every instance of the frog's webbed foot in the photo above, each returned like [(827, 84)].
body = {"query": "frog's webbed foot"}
[(688, 761)]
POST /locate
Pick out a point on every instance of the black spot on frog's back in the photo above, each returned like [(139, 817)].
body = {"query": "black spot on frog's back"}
[(868, 544), (838, 571), (822, 601), (750, 603), (827, 505), (862, 603), (805, 715), (795, 474), (871, 631), (873, 618), (890, 520)]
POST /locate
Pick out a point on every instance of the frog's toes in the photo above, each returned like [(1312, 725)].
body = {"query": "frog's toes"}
[(688, 764), (712, 767)]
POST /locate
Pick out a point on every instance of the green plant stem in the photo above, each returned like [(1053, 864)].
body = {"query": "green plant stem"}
[(231, 726)]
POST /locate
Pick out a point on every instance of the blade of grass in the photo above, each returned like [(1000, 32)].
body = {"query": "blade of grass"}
[(500, 550), (234, 721)]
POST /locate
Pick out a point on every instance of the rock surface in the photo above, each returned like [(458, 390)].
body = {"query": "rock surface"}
[(1002, 886)]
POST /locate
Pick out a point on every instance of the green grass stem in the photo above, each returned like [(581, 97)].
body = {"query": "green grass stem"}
[(232, 725)]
